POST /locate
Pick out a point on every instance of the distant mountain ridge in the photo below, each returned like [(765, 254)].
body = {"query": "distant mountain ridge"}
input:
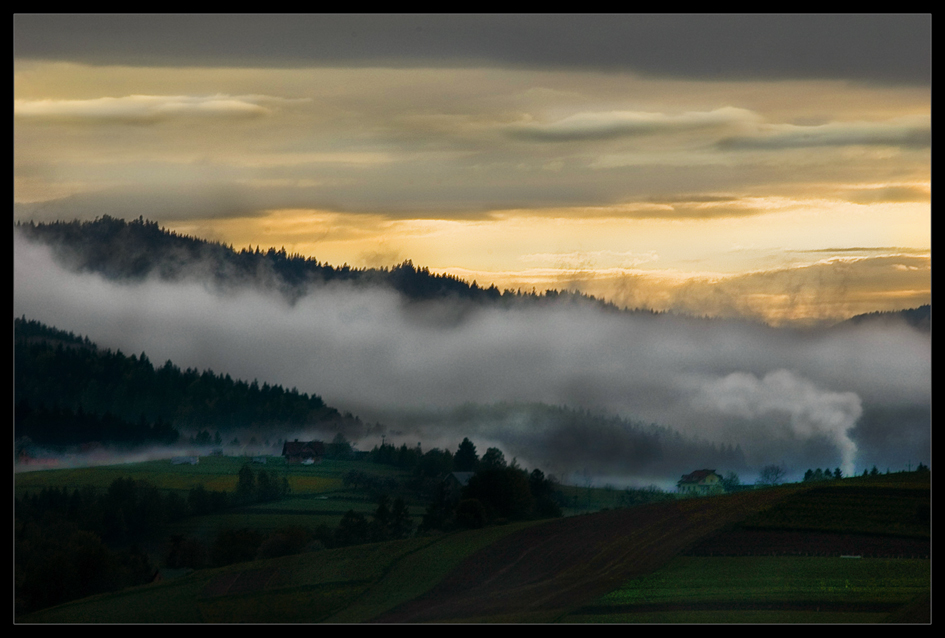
[(919, 318), (136, 250), (139, 249)]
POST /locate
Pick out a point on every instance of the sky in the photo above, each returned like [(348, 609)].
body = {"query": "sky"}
[(772, 171), (770, 167)]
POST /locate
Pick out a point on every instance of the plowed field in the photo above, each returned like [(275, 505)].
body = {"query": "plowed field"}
[(544, 571)]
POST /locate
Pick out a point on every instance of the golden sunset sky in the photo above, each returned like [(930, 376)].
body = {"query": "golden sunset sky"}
[(773, 167)]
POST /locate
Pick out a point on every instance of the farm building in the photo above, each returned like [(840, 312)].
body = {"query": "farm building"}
[(303, 451), (700, 482), (455, 482)]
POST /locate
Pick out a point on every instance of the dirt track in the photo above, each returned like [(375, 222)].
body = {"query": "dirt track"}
[(545, 571)]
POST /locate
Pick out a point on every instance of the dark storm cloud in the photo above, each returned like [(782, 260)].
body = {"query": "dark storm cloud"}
[(892, 49)]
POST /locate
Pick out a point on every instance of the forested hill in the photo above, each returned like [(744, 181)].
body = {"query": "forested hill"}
[(136, 250), (61, 376), (139, 249), (919, 318)]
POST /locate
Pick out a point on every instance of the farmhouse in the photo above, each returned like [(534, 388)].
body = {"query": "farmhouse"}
[(700, 482), (455, 482), (303, 451)]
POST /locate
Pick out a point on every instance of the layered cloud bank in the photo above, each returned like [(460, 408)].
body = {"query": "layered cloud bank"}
[(582, 151), (848, 397), (143, 109)]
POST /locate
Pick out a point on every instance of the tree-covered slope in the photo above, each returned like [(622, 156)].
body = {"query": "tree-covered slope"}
[(136, 250), (919, 318), (59, 377)]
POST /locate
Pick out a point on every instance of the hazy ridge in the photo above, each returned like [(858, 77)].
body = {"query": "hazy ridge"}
[(404, 348)]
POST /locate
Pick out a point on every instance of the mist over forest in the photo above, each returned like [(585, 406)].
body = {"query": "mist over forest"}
[(560, 380)]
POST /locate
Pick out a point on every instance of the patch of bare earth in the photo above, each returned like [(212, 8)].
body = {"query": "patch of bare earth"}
[(546, 570)]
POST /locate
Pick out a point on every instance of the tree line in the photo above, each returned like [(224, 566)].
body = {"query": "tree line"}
[(825, 474), (822, 474), (139, 249), (61, 427), (71, 544), (65, 386)]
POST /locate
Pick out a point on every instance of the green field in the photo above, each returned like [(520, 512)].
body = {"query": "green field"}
[(765, 589), (317, 494), (582, 500), (451, 577), (785, 589), (295, 511), (351, 584), (213, 472)]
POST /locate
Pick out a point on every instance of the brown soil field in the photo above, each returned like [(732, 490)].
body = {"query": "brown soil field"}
[(760, 542), (545, 571)]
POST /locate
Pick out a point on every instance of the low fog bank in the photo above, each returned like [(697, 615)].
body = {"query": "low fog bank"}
[(577, 446), (35, 458), (850, 397), (32, 457)]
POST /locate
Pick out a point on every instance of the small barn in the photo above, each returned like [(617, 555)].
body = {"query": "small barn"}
[(307, 452), (701, 482), (455, 482)]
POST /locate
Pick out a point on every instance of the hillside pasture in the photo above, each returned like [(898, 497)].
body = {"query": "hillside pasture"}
[(306, 511), (576, 499), (847, 551), (764, 589), (317, 495), (350, 584), (641, 564), (880, 517), (301, 588), (888, 508), (540, 573), (217, 473)]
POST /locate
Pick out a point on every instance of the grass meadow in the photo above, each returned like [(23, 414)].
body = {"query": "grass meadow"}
[(366, 582), (350, 584), (317, 493), (765, 589)]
